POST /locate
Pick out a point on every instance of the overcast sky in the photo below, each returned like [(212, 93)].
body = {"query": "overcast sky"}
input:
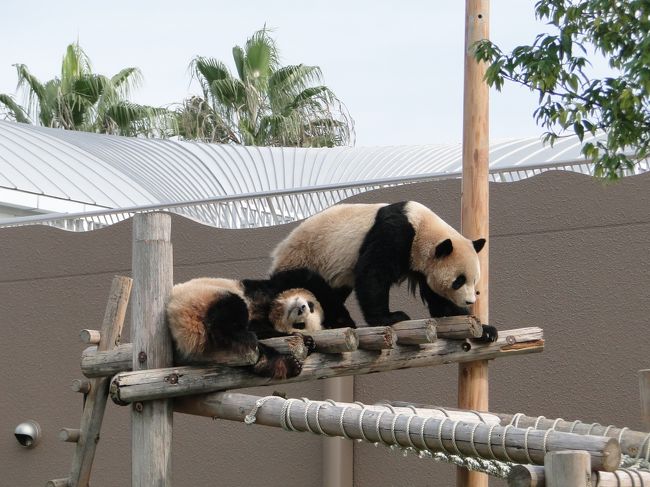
[(397, 65)]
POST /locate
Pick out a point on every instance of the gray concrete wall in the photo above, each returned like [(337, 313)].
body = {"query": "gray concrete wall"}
[(567, 254)]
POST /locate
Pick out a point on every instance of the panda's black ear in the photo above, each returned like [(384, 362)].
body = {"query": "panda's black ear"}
[(443, 249), (478, 244)]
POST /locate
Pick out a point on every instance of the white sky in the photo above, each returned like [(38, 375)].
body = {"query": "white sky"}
[(397, 65)]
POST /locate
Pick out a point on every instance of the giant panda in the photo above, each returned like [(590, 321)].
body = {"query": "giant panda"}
[(208, 314), (370, 247)]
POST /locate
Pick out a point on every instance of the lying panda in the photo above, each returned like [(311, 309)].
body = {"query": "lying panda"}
[(371, 247), (208, 314)]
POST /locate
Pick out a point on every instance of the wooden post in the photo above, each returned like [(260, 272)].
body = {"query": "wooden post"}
[(151, 422), (473, 376), (95, 405), (644, 389), (567, 469), (338, 453)]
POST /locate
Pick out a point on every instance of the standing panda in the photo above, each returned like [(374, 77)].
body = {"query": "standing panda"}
[(209, 314), (371, 247)]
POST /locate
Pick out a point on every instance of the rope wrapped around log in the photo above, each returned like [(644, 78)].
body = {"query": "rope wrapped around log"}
[(403, 427)]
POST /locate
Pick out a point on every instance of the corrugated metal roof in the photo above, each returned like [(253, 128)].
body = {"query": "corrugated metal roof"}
[(67, 171)]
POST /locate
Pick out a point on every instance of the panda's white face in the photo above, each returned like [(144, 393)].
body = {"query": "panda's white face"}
[(453, 271), (296, 310)]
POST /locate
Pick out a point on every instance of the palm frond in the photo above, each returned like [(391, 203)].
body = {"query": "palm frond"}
[(75, 64), (126, 80), (239, 56), (16, 112), (262, 57), (229, 92), (33, 88)]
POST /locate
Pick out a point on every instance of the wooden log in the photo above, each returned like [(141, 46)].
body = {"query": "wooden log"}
[(58, 483), (95, 404), (91, 337), (444, 434), (120, 359), (526, 476), (69, 435), (415, 332), (458, 327), (631, 441), (289, 345), (644, 391), (475, 218), (151, 422), (336, 340), (567, 469), (133, 386), (376, 338), (533, 476), (338, 453), (81, 385)]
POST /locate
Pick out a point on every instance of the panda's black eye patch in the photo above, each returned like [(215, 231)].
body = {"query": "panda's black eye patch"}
[(311, 306), (459, 282)]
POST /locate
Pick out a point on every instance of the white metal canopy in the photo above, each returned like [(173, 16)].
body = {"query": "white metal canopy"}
[(52, 170)]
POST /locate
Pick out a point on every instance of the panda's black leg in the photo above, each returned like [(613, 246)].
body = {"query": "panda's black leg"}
[(275, 365), (226, 324), (373, 294)]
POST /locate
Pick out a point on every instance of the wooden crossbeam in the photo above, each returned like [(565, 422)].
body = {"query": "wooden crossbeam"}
[(404, 428), (167, 382)]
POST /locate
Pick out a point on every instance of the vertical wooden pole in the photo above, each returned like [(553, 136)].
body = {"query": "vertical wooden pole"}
[(473, 376), (567, 469), (151, 421), (338, 453), (644, 389)]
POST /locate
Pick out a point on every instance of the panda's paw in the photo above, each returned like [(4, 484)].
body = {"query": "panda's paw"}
[(389, 319), (310, 343), (293, 366), (490, 334)]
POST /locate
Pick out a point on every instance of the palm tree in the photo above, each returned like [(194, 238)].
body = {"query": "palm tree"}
[(265, 104), (82, 100)]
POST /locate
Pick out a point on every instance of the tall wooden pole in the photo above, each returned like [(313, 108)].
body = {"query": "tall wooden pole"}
[(473, 376), (338, 453), (644, 390), (151, 421)]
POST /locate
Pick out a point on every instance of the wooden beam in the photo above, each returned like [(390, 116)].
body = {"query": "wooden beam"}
[(473, 376), (404, 428), (415, 332), (120, 359), (91, 337), (161, 383), (567, 469), (101, 364), (632, 442), (336, 340), (376, 338), (151, 422), (533, 476)]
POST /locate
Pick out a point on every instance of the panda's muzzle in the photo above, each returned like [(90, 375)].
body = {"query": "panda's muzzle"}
[(299, 326)]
